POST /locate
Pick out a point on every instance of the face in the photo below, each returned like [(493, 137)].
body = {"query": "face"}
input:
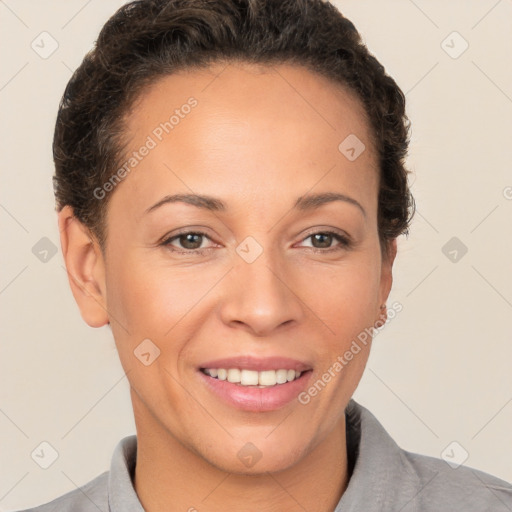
[(277, 267)]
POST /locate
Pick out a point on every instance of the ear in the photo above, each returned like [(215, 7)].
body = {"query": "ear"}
[(386, 277), (85, 268)]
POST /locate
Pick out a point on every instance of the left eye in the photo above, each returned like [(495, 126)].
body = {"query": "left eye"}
[(325, 239), (191, 241)]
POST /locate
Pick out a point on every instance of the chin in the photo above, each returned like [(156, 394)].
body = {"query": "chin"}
[(260, 468), (255, 457)]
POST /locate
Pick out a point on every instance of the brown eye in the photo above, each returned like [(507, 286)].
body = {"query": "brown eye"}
[(187, 242), (191, 240), (325, 240)]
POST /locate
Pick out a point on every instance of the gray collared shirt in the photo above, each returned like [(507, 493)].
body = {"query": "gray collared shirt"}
[(384, 478)]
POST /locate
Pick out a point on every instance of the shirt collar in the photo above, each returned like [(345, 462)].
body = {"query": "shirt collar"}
[(382, 478), (121, 493)]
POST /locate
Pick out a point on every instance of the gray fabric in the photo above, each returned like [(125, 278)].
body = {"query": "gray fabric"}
[(384, 478)]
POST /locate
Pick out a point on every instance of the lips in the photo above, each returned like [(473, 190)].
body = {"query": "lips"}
[(256, 398)]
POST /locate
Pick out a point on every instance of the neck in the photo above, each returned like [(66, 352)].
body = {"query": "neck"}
[(169, 476)]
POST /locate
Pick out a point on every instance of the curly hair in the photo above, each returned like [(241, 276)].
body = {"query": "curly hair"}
[(148, 39)]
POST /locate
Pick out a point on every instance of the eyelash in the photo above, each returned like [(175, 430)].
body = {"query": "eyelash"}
[(345, 242)]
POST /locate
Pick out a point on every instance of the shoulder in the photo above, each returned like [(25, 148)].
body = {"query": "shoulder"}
[(390, 478), (443, 487), (91, 497)]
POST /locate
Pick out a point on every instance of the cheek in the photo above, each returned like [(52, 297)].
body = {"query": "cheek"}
[(346, 297), (150, 306), (165, 305), (142, 307), (151, 299), (345, 300)]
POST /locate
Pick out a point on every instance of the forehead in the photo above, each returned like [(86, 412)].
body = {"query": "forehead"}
[(241, 128), (249, 92)]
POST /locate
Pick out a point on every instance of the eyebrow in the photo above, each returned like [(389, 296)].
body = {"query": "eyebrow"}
[(303, 203)]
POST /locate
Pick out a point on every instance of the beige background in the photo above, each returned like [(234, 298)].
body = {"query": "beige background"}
[(440, 372)]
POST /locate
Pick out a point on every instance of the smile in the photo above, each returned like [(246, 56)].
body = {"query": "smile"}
[(247, 394), (260, 379)]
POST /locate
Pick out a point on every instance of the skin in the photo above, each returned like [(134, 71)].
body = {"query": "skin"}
[(257, 147)]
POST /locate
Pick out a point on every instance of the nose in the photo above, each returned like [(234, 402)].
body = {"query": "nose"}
[(260, 296)]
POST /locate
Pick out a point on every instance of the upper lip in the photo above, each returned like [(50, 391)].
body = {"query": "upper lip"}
[(258, 363)]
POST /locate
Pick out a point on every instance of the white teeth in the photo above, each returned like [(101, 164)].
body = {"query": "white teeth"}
[(234, 375), (281, 376), (267, 378), (249, 378), (252, 377)]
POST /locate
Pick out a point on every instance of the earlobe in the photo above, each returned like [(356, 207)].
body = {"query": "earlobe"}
[(85, 268)]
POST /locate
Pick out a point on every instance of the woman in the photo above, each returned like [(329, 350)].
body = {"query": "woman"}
[(238, 234)]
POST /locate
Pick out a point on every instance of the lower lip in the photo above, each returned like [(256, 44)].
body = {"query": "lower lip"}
[(257, 399)]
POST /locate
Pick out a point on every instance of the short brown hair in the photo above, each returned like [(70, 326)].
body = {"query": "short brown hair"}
[(148, 39)]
